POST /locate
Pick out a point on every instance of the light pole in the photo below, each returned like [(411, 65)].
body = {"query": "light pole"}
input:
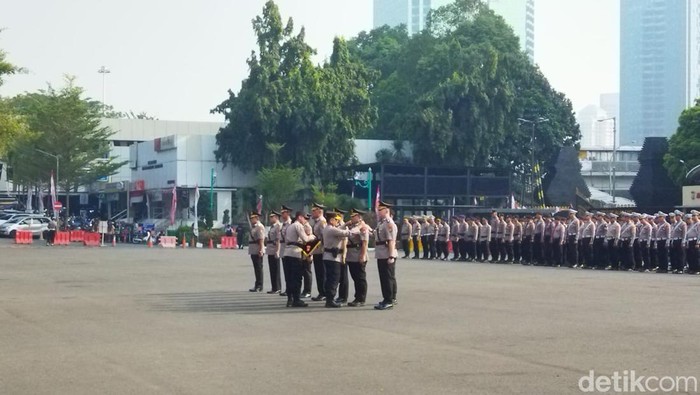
[(212, 179), (532, 149), (614, 155), (57, 166), (104, 71)]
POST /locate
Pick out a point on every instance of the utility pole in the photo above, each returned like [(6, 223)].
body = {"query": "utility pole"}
[(614, 155), (104, 71)]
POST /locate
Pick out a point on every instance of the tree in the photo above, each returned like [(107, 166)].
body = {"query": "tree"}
[(310, 114), (278, 185), (684, 145), (12, 125), (61, 123), (206, 216)]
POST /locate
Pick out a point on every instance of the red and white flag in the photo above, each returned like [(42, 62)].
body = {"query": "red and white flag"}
[(195, 229), (377, 199), (259, 205), (53, 195), (173, 206), (513, 203)]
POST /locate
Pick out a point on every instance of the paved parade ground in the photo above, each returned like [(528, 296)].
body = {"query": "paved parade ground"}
[(76, 320)]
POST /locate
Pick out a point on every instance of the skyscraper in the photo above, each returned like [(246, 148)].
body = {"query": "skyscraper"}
[(519, 14), (659, 70)]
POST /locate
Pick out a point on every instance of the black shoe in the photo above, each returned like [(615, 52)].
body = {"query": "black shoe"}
[(319, 298), (273, 292), (290, 302), (333, 305), (255, 290), (300, 303), (356, 303), (341, 301), (383, 306), (305, 295), (283, 293)]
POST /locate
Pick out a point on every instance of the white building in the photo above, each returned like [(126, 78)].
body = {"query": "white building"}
[(594, 133), (597, 168), (520, 15)]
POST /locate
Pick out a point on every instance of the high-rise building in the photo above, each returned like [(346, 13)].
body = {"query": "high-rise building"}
[(659, 70), (519, 14)]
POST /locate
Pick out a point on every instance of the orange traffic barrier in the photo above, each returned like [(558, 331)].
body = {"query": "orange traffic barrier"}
[(91, 239), (229, 243), (184, 241), (114, 240), (211, 243), (168, 241), (61, 238), (77, 235), (23, 237)]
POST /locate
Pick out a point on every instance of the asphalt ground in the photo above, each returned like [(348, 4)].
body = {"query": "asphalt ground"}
[(132, 320)]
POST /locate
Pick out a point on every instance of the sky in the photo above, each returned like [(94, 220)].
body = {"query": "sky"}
[(176, 59)]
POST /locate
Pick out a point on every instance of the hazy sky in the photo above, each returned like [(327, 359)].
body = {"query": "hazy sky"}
[(176, 59)]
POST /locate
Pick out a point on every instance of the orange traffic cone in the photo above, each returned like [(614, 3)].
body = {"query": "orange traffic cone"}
[(184, 241), (211, 243), (114, 240), (150, 243)]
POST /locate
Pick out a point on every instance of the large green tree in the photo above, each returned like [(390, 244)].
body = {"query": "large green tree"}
[(457, 89), (12, 125), (312, 112), (61, 123), (684, 145)]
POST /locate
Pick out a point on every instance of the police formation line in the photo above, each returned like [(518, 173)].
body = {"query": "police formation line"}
[(334, 248), (657, 242)]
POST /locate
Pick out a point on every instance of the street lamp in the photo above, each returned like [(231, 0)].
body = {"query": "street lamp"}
[(57, 166), (534, 124), (104, 71), (614, 155), (212, 179)]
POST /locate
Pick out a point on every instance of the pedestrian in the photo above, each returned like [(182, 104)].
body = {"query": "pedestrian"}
[(558, 241), (344, 280), (51, 237), (286, 221), (272, 250), (587, 240), (572, 234), (416, 235), (599, 253), (424, 236), (678, 231), (318, 222), (663, 234), (256, 249), (333, 249), (628, 233), (612, 239), (691, 241), (540, 238), (406, 230), (296, 238), (356, 257), (485, 233), (385, 252)]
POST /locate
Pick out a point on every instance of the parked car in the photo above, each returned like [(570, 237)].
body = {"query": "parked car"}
[(37, 225), (7, 216)]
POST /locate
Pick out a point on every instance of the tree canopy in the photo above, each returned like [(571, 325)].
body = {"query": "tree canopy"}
[(684, 145), (312, 112), (12, 125)]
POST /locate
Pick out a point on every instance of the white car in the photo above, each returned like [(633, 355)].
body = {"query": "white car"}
[(36, 225), (4, 217)]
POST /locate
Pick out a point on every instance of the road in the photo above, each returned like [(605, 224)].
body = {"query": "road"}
[(79, 320)]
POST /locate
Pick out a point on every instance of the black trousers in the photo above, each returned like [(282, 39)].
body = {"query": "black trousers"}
[(344, 284), (493, 248), (461, 251), (517, 251), (416, 252), (678, 258), (644, 250), (557, 250), (287, 275), (662, 256), (572, 251), (387, 279), (600, 259), (527, 249), (51, 236), (293, 276), (692, 256), (627, 254), (307, 275), (332, 272), (431, 243), (613, 259), (273, 263), (637, 252), (320, 272), (426, 246), (543, 253), (258, 269), (472, 248), (406, 250), (359, 277), (538, 250), (484, 251), (507, 251), (587, 252)]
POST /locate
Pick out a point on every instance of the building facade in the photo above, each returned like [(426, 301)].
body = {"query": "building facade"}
[(519, 14), (597, 169), (659, 70)]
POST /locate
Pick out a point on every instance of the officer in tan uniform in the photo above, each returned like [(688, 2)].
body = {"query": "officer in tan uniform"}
[(296, 237), (285, 222), (356, 257), (385, 252), (443, 236), (406, 229), (318, 222), (416, 235), (334, 237), (256, 249), (273, 252), (344, 283)]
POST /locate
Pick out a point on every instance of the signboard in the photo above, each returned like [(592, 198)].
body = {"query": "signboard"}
[(164, 143), (104, 227), (138, 185), (58, 206), (691, 196)]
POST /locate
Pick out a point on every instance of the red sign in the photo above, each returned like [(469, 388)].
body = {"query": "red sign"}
[(57, 206)]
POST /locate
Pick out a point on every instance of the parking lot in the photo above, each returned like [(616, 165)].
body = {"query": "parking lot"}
[(129, 319)]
